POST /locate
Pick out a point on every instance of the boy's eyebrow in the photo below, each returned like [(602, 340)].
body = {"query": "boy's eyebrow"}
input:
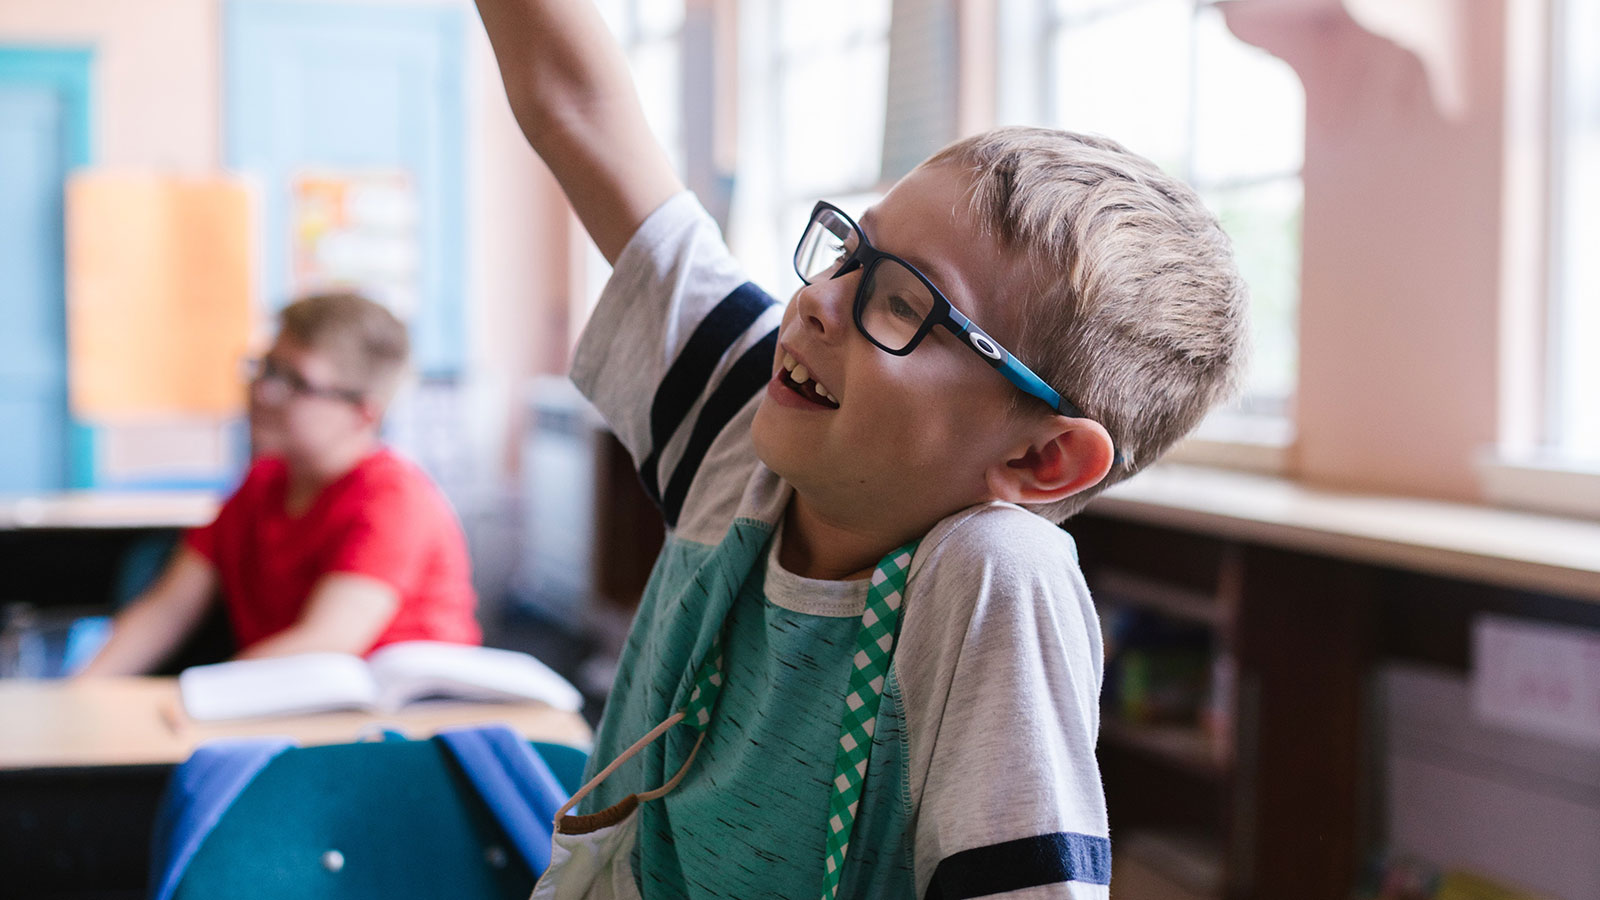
[(935, 271)]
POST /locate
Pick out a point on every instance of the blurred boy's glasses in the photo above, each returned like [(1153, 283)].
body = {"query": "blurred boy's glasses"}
[(282, 382), (896, 306)]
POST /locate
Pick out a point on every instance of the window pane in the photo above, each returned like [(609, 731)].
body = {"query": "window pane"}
[(1169, 80), (832, 120), (659, 18), (1082, 9), (1250, 109), (1576, 370), (1264, 221), (1126, 76), (832, 24), (656, 71), (615, 12)]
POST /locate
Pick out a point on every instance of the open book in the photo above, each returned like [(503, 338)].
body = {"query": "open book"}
[(384, 682)]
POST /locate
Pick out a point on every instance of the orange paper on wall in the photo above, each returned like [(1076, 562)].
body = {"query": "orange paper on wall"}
[(158, 295)]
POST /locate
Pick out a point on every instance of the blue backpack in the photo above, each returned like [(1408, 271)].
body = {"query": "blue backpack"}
[(465, 814)]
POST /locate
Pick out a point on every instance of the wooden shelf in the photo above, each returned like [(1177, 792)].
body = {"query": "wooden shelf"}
[(1185, 746), (1128, 589), (1168, 865)]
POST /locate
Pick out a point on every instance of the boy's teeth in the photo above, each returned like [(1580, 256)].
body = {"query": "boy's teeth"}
[(799, 374)]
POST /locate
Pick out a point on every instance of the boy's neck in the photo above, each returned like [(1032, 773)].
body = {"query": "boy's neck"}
[(817, 546), (308, 477)]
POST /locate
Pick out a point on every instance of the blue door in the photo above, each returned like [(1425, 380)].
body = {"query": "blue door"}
[(355, 86), (44, 134)]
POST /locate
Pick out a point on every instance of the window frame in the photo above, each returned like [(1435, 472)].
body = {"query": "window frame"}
[(1254, 441), (1532, 471)]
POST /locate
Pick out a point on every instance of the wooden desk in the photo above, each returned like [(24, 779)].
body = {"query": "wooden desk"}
[(108, 509), (139, 721), (83, 765), (68, 552)]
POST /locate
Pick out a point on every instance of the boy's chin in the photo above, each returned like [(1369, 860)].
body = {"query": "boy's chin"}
[(794, 462), (769, 450)]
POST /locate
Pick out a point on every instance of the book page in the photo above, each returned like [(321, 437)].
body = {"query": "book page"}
[(412, 670), (280, 686)]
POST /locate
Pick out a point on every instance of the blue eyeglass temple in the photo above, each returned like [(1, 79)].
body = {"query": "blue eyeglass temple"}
[(1014, 371)]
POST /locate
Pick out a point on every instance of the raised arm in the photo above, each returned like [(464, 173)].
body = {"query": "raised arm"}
[(574, 98)]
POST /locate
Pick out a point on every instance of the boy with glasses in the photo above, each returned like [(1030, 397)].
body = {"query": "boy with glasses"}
[(332, 543), (866, 663)]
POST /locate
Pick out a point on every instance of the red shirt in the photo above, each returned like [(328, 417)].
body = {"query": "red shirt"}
[(383, 519)]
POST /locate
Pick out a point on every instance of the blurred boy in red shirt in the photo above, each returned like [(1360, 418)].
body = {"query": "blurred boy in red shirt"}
[(332, 542)]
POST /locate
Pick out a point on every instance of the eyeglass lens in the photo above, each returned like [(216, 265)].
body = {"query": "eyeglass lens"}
[(896, 302)]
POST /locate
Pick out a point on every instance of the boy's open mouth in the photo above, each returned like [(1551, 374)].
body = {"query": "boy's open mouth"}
[(797, 379)]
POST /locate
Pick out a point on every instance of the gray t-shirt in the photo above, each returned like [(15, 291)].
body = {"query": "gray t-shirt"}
[(983, 777)]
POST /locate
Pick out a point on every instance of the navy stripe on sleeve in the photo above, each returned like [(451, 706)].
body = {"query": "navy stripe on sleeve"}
[(1023, 863), (743, 380), (689, 374)]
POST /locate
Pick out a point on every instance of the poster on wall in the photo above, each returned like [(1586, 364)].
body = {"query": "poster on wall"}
[(357, 230), (160, 310)]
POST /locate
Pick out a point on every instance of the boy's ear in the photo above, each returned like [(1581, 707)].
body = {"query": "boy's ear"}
[(1063, 456)]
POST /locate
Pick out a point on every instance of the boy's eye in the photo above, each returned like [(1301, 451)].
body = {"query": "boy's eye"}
[(900, 308)]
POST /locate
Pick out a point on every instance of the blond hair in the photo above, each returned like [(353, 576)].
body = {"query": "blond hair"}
[(365, 340), (1140, 315)]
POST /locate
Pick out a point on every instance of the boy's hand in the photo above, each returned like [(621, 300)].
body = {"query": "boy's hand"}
[(574, 98)]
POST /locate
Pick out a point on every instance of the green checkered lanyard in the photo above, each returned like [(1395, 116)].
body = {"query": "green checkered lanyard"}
[(880, 627)]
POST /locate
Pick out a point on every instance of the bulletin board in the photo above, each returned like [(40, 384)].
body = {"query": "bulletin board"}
[(159, 306)]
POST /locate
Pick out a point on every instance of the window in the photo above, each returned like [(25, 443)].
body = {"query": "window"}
[(650, 32), (813, 81), (1167, 79), (1574, 365)]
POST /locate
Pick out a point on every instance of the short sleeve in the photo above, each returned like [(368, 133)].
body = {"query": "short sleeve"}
[(239, 509), (673, 356), (386, 538), (1001, 684), (203, 540)]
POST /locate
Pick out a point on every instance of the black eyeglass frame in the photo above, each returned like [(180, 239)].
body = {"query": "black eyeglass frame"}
[(265, 369), (944, 313)]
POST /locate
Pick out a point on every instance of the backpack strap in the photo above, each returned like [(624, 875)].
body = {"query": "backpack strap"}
[(200, 791), (514, 781)]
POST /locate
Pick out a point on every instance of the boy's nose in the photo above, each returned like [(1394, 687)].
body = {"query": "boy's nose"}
[(825, 305), (268, 392)]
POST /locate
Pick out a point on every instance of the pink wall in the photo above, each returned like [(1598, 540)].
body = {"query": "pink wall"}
[(157, 84), (155, 79), (1402, 275), (521, 255)]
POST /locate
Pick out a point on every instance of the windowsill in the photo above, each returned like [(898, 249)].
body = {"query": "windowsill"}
[(1525, 551), (1258, 444), (1542, 485)]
